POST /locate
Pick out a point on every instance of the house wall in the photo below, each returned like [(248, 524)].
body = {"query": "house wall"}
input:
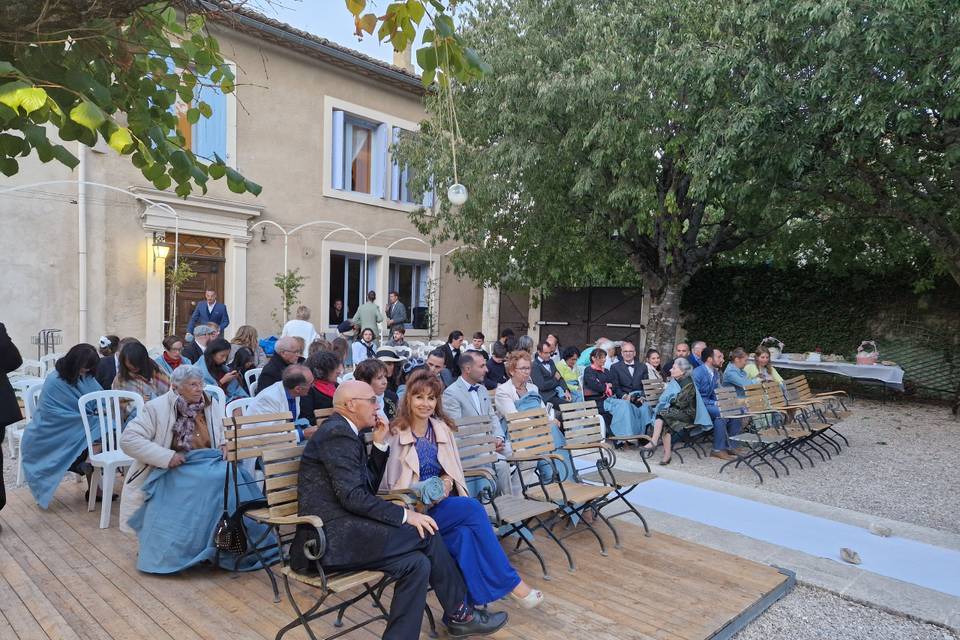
[(282, 99)]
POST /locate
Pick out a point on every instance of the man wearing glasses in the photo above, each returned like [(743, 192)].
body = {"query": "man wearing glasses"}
[(338, 482), (285, 352)]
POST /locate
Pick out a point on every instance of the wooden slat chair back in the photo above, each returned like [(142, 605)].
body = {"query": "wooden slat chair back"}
[(477, 445), (825, 412), (322, 414), (246, 438), (282, 472), (583, 429), (759, 439), (652, 390), (532, 441)]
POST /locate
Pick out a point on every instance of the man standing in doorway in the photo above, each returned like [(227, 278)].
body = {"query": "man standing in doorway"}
[(337, 313), (209, 311), (396, 312), (368, 316)]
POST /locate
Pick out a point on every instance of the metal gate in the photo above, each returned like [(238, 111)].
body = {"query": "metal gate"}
[(579, 316), (514, 309)]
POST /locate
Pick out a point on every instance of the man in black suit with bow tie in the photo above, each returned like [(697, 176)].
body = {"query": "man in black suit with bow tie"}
[(628, 374), (338, 482), (544, 374)]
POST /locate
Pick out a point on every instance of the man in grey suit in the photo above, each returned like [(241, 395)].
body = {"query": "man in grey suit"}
[(467, 397), (396, 312)]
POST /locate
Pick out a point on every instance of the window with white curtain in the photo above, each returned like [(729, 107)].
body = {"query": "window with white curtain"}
[(359, 154)]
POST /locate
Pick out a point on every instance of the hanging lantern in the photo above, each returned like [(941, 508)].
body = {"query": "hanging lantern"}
[(457, 194)]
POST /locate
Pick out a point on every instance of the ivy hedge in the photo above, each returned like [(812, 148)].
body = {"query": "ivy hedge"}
[(805, 308)]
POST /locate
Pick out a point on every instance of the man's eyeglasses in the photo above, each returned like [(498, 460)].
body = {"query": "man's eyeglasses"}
[(371, 399)]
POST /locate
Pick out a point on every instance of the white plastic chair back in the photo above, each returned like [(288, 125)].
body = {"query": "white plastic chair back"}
[(251, 376), (22, 384), (107, 406), (29, 368), (239, 403), (47, 362), (154, 352), (31, 396), (346, 377), (219, 398), (404, 352)]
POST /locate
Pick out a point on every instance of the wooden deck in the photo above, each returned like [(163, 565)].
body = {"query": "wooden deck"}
[(62, 578)]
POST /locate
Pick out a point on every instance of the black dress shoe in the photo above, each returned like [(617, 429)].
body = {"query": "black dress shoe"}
[(483, 623)]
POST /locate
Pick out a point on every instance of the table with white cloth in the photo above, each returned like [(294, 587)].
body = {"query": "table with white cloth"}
[(889, 376)]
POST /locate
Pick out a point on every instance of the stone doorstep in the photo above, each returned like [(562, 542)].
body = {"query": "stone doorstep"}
[(848, 581)]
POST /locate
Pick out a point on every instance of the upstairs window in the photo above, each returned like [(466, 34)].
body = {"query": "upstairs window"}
[(359, 154)]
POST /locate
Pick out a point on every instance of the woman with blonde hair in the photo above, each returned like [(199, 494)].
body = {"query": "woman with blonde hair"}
[(424, 455), (247, 337), (761, 369)]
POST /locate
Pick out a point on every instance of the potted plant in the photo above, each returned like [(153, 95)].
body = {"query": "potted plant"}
[(867, 352), (774, 346)]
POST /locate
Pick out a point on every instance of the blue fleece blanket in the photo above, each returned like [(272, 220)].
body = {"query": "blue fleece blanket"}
[(54, 439), (176, 523), (670, 392), (565, 467)]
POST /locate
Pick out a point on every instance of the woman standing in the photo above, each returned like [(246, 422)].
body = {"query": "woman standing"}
[(172, 355), (54, 442), (139, 374), (423, 448)]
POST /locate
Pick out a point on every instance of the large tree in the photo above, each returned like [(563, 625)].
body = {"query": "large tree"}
[(576, 150), (866, 95)]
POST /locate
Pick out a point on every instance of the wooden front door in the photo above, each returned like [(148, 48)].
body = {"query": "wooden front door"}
[(206, 258)]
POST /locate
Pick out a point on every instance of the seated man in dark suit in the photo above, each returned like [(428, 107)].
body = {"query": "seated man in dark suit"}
[(338, 482), (544, 374), (286, 351), (628, 374)]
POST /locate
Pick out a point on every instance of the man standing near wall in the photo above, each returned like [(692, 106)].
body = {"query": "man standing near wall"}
[(209, 311), (396, 312), (368, 316)]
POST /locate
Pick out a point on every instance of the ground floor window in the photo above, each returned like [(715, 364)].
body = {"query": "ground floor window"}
[(410, 278), (349, 282)]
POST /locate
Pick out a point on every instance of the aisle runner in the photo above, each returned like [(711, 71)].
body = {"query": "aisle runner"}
[(908, 560)]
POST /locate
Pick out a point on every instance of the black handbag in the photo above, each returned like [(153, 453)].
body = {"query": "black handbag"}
[(230, 536)]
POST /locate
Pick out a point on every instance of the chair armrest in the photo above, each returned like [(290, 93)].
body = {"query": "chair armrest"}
[(403, 497), (479, 473), (589, 445), (315, 521), (533, 458), (629, 438)]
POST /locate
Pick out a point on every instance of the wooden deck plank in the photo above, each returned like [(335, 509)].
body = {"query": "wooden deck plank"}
[(658, 588)]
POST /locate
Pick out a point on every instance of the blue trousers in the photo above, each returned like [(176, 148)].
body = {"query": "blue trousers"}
[(723, 428), (470, 539)]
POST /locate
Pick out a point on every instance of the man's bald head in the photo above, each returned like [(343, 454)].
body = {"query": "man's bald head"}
[(356, 401)]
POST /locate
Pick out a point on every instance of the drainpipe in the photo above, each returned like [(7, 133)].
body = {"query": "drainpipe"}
[(82, 242)]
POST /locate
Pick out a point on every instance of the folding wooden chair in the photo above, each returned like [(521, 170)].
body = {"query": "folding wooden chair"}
[(757, 436), (809, 433), (511, 514), (248, 437), (828, 408), (532, 441), (281, 471), (583, 427)]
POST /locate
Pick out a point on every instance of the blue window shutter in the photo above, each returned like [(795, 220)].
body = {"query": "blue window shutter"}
[(337, 142), (378, 162), (395, 170), (210, 134)]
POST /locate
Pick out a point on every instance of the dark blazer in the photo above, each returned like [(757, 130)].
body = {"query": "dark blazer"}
[(10, 360), (272, 372), (202, 316), (338, 482), (311, 402), (623, 382), (595, 384), (496, 374), (547, 379), (107, 371), (192, 352), (451, 360)]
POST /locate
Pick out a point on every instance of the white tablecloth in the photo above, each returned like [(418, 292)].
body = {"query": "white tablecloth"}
[(892, 376)]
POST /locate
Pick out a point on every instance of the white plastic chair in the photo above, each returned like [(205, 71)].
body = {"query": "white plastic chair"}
[(219, 398), (239, 403), (29, 369), (251, 376), (47, 362), (404, 352), (111, 458), (31, 395)]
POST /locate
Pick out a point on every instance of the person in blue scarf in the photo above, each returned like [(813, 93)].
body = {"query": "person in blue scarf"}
[(54, 442), (173, 493), (679, 407), (213, 365)]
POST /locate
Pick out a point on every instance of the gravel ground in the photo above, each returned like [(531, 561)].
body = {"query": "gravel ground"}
[(813, 614), (901, 464)]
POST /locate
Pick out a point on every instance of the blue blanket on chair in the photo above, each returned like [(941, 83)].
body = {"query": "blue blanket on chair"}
[(627, 418), (182, 506), (54, 439)]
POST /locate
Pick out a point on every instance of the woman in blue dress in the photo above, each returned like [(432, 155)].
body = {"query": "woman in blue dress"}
[(54, 442), (423, 453), (213, 364)]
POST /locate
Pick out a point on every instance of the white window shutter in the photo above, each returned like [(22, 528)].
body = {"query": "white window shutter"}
[(337, 144), (428, 196), (395, 170), (378, 170)]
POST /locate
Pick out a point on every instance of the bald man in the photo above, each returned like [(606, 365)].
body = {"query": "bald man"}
[(338, 482)]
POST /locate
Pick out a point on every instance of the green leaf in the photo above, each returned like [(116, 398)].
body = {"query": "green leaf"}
[(6, 113), (445, 26), (88, 115), (227, 85), (193, 115), (195, 22), (9, 167), (7, 69), (183, 189), (415, 10), (121, 140), (180, 160), (64, 156), (216, 170), (163, 182), (22, 95), (252, 187), (236, 186), (11, 145), (427, 58), (368, 23), (356, 6), (205, 110)]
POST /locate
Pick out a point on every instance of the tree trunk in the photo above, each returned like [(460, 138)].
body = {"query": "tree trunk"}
[(664, 318)]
